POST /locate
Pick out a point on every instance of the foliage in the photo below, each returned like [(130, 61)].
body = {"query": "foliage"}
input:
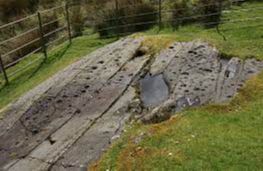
[(180, 11), (242, 39), (212, 11), (124, 20), (12, 8)]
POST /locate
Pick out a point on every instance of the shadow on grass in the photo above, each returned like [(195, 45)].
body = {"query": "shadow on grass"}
[(30, 71)]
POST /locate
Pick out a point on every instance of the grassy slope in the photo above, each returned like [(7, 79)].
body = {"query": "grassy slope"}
[(214, 137), (58, 59), (244, 39), (222, 137)]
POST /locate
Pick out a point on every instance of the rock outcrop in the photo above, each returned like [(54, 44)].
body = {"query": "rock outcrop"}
[(69, 120), (196, 75)]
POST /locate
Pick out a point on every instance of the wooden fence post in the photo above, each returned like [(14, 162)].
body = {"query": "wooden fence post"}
[(68, 22), (160, 14), (43, 42), (3, 70)]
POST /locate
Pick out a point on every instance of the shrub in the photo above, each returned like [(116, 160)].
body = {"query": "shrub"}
[(130, 19), (180, 12), (211, 11), (12, 8)]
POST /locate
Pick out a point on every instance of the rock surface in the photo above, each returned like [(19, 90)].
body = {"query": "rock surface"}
[(68, 121), (154, 90), (196, 75)]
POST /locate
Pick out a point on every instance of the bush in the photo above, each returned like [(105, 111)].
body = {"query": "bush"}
[(212, 11), (113, 22), (181, 10)]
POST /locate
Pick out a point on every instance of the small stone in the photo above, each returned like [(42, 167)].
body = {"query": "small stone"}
[(115, 137), (139, 148)]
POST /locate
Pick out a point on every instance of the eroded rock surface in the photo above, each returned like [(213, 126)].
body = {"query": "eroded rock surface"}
[(197, 75), (67, 122)]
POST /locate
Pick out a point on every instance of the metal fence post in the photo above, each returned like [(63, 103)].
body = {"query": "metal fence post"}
[(3, 70), (43, 42), (160, 14), (68, 22)]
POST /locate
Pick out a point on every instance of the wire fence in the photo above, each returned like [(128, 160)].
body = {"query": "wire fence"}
[(120, 26), (43, 39)]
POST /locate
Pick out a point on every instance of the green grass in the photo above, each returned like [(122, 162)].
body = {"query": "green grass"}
[(58, 58), (213, 137), (243, 39)]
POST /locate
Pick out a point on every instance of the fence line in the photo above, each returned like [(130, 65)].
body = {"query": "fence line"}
[(21, 47), (207, 24), (24, 67), (42, 39), (20, 59), (170, 11), (20, 35), (157, 4), (17, 21), (51, 9), (67, 26), (161, 10), (169, 20)]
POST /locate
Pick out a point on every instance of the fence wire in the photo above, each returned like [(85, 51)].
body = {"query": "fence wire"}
[(122, 26)]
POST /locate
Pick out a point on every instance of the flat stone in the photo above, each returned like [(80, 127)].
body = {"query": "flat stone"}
[(87, 150), (70, 132), (65, 102)]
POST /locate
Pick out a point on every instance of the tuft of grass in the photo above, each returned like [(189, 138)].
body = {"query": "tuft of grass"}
[(58, 58)]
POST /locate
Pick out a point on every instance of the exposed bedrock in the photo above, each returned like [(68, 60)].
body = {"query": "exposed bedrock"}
[(195, 75), (68, 121)]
